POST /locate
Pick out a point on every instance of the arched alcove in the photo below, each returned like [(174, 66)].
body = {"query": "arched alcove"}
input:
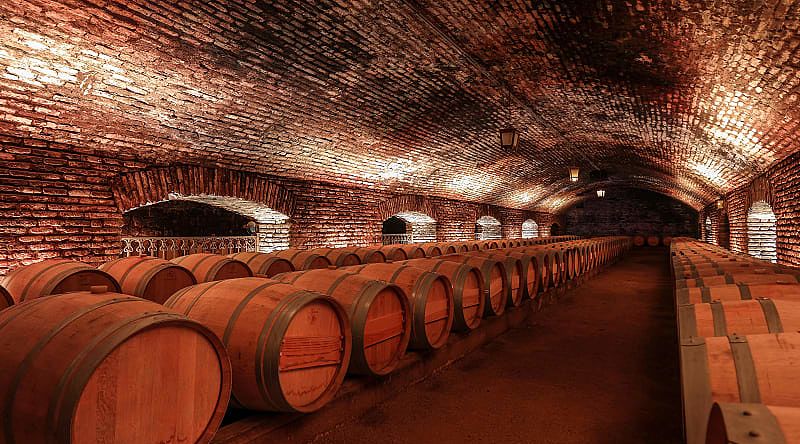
[(203, 223), (555, 229), (487, 227), (762, 232), (708, 231), (408, 227), (530, 229)]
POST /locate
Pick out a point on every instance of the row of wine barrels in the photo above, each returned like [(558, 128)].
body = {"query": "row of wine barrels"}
[(731, 422), (99, 366), (55, 276), (430, 295), (468, 289), (303, 259), (749, 369), (289, 347), (738, 321), (380, 315)]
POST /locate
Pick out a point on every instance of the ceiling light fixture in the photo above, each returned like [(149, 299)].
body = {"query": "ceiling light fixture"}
[(573, 174), (601, 193)]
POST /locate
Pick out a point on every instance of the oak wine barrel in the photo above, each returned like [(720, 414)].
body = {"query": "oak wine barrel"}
[(431, 297), (263, 264), (379, 313), (750, 369), (99, 367), (413, 251), (516, 273), (55, 276), (339, 257), (737, 292), (394, 252), (653, 241), (738, 278), (666, 240), (148, 277), (495, 281), (749, 317), (753, 423), (468, 290), (207, 267), (433, 250), (368, 255), (289, 347), (638, 241), (5, 298), (303, 259)]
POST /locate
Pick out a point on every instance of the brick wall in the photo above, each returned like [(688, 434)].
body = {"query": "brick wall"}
[(631, 212), (65, 201)]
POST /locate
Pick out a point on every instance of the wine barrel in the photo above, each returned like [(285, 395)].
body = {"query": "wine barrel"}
[(263, 264), (653, 241), (432, 250), (431, 296), (5, 298), (148, 277), (468, 290), (454, 247), (638, 241), (666, 240), (289, 347), (54, 276), (413, 251), (99, 367), (368, 255), (760, 316), (529, 265), (737, 292), (303, 259), (494, 278), (516, 274), (339, 257), (379, 313), (753, 423), (738, 278), (750, 369), (693, 272), (394, 253), (207, 267)]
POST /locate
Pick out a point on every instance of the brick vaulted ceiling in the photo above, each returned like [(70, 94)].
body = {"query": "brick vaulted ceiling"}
[(688, 98)]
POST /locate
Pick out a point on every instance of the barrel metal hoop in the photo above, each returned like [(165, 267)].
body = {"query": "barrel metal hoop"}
[(687, 321), (718, 316), (771, 315), (744, 290), (705, 294), (745, 369), (696, 386), (742, 420)]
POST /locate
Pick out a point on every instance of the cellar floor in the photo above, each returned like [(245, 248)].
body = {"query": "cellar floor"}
[(600, 366)]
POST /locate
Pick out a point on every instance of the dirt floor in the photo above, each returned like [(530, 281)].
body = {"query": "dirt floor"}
[(598, 367)]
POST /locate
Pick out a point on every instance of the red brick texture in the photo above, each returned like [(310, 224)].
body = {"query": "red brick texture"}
[(61, 201), (630, 212)]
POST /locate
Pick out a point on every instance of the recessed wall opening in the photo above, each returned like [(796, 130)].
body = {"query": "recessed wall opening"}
[(530, 229), (487, 228), (194, 224), (762, 232), (555, 230), (408, 227), (708, 231)]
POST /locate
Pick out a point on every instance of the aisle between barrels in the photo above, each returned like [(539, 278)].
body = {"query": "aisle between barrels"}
[(600, 366)]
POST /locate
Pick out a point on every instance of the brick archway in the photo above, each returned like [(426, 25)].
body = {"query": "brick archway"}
[(149, 186), (406, 202)]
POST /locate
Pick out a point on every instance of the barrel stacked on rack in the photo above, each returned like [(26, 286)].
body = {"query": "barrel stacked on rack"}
[(739, 324), (265, 331)]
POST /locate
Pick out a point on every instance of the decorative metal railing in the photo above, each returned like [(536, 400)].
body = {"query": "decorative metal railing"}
[(171, 247), (389, 239)]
